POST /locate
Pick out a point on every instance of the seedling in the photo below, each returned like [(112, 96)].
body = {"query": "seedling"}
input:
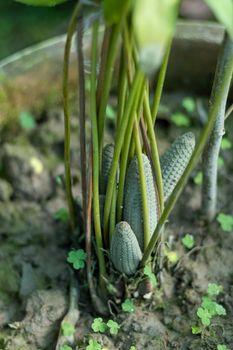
[(214, 289), (226, 222), (113, 327), (61, 215), (132, 348), (93, 345), (65, 347), (77, 258), (150, 274), (189, 104), (98, 325), (188, 241), (222, 347), (226, 144), (198, 179), (67, 329), (27, 121), (180, 119), (128, 306)]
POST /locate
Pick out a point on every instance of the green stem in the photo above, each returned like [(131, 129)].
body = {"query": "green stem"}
[(142, 184), (221, 85), (122, 88), (69, 194), (120, 137), (160, 83), (112, 220), (96, 209), (211, 151), (109, 70), (154, 151)]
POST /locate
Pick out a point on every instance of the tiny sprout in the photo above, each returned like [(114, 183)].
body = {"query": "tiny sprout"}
[(113, 327), (128, 306), (77, 258), (196, 330), (189, 104), (67, 329), (198, 179), (226, 222), (132, 348), (180, 119), (65, 347), (149, 273), (172, 256), (61, 215), (222, 347), (214, 289), (226, 143), (93, 345), (188, 241), (98, 325)]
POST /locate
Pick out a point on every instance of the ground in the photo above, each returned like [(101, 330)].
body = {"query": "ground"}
[(35, 240)]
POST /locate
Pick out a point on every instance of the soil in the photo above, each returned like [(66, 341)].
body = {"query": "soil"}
[(34, 275)]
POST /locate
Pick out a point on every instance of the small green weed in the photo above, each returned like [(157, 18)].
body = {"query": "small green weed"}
[(27, 121), (188, 241), (128, 306), (77, 258), (188, 103), (61, 215), (226, 143), (198, 179), (149, 273), (132, 348), (222, 347), (67, 329), (113, 327), (226, 222), (99, 325), (93, 345), (196, 330), (65, 347), (214, 289), (180, 119)]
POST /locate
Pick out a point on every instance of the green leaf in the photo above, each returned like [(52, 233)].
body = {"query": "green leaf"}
[(98, 325), (132, 348), (226, 222), (93, 345), (61, 214), (209, 305), (198, 179), (65, 347), (180, 119), (47, 3), (110, 113), (113, 10), (27, 121), (220, 310), (222, 347), (128, 306), (214, 289), (188, 241), (220, 162), (223, 10), (226, 143), (113, 327), (189, 104), (204, 315), (67, 329), (153, 24), (149, 273), (77, 258), (196, 330)]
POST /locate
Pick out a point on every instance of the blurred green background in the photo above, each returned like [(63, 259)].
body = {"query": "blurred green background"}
[(22, 25)]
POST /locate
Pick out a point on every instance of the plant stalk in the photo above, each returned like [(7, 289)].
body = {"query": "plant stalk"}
[(69, 194), (221, 85), (211, 151)]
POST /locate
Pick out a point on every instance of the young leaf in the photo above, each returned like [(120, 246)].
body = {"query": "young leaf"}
[(61, 214), (154, 24), (98, 325), (196, 330), (27, 121), (149, 273), (77, 258), (93, 345), (226, 222), (67, 329), (113, 327), (198, 179), (226, 143), (110, 113), (180, 119), (220, 310), (222, 347), (132, 348), (65, 347), (223, 10), (128, 306), (189, 104), (112, 10), (214, 289), (188, 241), (204, 315), (172, 256), (41, 2)]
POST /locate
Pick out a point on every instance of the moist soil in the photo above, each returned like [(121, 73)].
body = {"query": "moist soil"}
[(35, 241)]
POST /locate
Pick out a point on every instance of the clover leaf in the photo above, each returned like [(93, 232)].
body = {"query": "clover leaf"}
[(188, 241), (68, 329), (196, 330), (113, 327), (226, 222), (93, 345), (214, 289), (128, 306), (222, 347), (65, 347), (98, 325), (204, 315), (77, 258)]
